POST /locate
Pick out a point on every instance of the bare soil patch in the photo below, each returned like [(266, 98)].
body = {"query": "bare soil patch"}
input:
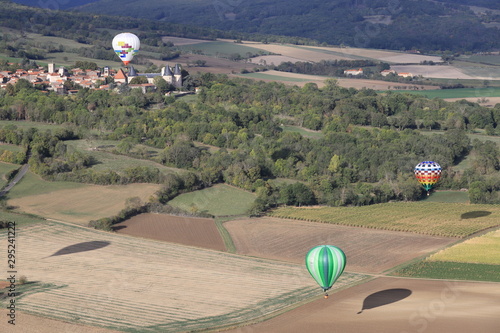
[(200, 232), (367, 250), (432, 307)]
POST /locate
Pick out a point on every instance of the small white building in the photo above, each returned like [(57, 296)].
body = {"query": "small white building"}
[(358, 71)]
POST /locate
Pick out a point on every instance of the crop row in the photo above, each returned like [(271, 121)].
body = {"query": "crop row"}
[(436, 219)]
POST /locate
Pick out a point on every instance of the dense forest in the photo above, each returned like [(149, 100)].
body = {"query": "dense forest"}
[(428, 26), (369, 147), (398, 25)]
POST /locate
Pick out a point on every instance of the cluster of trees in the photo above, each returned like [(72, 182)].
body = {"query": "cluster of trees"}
[(369, 146), (405, 24), (424, 25), (331, 67)]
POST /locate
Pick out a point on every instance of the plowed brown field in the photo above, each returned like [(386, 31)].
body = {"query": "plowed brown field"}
[(191, 231), (421, 306), (367, 250)]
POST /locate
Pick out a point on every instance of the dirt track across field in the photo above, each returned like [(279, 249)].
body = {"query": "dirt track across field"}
[(387, 305), (367, 250)]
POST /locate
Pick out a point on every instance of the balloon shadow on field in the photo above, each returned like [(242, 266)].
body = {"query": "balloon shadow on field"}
[(475, 214), (81, 247), (384, 297)]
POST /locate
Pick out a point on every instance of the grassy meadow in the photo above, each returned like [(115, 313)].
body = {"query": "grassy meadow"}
[(32, 184), (20, 219), (457, 93), (448, 196), (303, 131), (73, 202), (101, 151), (4, 169), (430, 218), (451, 271), (474, 259), (218, 200), (215, 48)]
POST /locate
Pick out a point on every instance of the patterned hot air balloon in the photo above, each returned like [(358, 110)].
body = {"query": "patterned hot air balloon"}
[(126, 45), (325, 263), (427, 173)]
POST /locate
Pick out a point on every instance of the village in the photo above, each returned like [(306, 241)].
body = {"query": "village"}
[(54, 79)]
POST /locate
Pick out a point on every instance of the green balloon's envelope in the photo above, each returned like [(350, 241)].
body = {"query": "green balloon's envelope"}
[(325, 263)]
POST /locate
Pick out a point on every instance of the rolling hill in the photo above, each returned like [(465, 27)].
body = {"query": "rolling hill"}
[(405, 24)]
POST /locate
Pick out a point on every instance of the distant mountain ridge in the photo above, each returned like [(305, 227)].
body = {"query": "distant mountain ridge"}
[(424, 25)]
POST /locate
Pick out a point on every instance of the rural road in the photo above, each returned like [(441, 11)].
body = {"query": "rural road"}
[(16, 179)]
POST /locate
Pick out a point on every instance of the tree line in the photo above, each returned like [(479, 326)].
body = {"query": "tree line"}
[(369, 145)]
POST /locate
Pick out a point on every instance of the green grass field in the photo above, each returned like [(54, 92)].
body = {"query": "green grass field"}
[(4, 169), (100, 150), (447, 196), (484, 59), (20, 219), (474, 259), (12, 148), (222, 48), (32, 184), (304, 132), (218, 200), (430, 218), (30, 124), (451, 271), (458, 93)]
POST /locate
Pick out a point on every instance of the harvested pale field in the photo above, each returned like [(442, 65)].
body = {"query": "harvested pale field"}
[(28, 323), (395, 305), (382, 55), (367, 250), (378, 84), (302, 79), (484, 249), (80, 205), (317, 53), (274, 60), (133, 284), (439, 72), (192, 231), (488, 101)]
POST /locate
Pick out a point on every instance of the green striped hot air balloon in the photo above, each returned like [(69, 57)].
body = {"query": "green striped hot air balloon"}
[(325, 263)]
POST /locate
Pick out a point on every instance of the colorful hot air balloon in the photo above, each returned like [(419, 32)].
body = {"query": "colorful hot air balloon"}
[(427, 173), (325, 263), (126, 45)]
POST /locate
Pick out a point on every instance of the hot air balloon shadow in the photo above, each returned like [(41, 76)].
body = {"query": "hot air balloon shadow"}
[(474, 214), (384, 297), (80, 247)]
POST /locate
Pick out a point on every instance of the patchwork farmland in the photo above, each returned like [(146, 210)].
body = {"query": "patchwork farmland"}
[(125, 283)]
